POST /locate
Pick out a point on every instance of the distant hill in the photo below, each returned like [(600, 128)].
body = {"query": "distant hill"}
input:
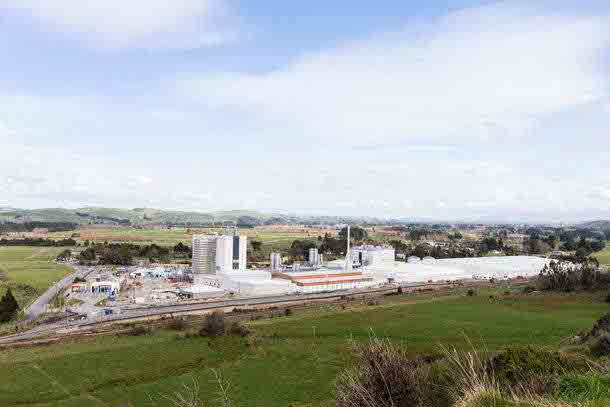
[(596, 224), (149, 216)]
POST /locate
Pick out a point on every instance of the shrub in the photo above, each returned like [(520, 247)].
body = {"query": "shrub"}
[(600, 346), (471, 292), (528, 289), (239, 330), (385, 376), (8, 306), (287, 312), (177, 324), (565, 276), (138, 330), (213, 325), (520, 365), (608, 298), (373, 301)]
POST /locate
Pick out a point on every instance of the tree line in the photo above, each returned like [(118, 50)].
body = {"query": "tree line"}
[(40, 242), (8, 227), (124, 254)]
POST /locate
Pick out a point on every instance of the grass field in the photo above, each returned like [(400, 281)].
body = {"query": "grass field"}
[(604, 255), (29, 271), (290, 360), (281, 237)]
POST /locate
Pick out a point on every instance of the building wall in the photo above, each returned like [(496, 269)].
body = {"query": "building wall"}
[(204, 254)]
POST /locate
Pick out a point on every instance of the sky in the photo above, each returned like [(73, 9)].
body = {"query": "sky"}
[(448, 110)]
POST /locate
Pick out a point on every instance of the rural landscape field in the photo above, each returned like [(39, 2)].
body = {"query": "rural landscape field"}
[(29, 271), (229, 203), (295, 358)]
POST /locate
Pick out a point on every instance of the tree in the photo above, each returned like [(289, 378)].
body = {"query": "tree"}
[(298, 248), (8, 306), (182, 248), (356, 233), (256, 245), (417, 234)]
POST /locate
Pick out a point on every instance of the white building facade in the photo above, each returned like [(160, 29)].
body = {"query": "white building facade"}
[(204, 254)]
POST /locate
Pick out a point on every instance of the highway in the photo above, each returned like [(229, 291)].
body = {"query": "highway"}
[(35, 309), (57, 328)]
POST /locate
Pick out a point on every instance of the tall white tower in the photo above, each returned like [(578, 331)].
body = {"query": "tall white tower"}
[(348, 253), (204, 254), (224, 253), (314, 257)]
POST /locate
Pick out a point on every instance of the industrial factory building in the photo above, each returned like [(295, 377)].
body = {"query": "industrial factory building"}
[(213, 254), (220, 261)]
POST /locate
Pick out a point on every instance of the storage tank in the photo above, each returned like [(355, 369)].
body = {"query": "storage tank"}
[(224, 253)]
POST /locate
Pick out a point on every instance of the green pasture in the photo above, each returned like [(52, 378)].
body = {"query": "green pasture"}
[(287, 360), (29, 271)]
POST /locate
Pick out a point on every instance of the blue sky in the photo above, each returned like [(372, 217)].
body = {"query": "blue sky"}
[(442, 109)]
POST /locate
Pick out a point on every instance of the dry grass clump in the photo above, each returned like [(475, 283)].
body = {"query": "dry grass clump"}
[(386, 376)]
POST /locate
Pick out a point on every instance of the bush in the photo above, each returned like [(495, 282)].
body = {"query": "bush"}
[(522, 365), (177, 324), (239, 330), (8, 306), (386, 376), (373, 301), (214, 324), (608, 298), (138, 330), (287, 312), (471, 292), (600, 346), (528, 289), (565, 276)]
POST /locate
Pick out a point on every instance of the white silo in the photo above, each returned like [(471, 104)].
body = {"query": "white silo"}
[(314, 258), (224, 253), (276, 261), (204, 254)]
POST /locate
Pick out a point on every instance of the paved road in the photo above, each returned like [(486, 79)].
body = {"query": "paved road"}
[(129, 314), (35, 309)]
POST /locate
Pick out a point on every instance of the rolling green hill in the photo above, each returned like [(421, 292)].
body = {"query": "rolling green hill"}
[(148, 216), (596, 224)]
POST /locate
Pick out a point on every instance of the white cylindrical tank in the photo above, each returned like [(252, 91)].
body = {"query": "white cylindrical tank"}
[(276, 261), (224, 253)]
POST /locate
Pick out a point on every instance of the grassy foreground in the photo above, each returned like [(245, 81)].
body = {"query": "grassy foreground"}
[(289, 360), (29, 271)]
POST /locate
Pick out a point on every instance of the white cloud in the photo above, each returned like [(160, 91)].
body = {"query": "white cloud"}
[(146, 23), (485, 72), (492, 113)]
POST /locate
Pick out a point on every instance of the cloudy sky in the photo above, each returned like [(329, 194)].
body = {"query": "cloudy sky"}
[(455, 109)]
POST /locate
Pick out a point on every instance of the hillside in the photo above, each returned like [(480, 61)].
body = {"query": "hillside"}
[(149, 216), (596, 224)]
